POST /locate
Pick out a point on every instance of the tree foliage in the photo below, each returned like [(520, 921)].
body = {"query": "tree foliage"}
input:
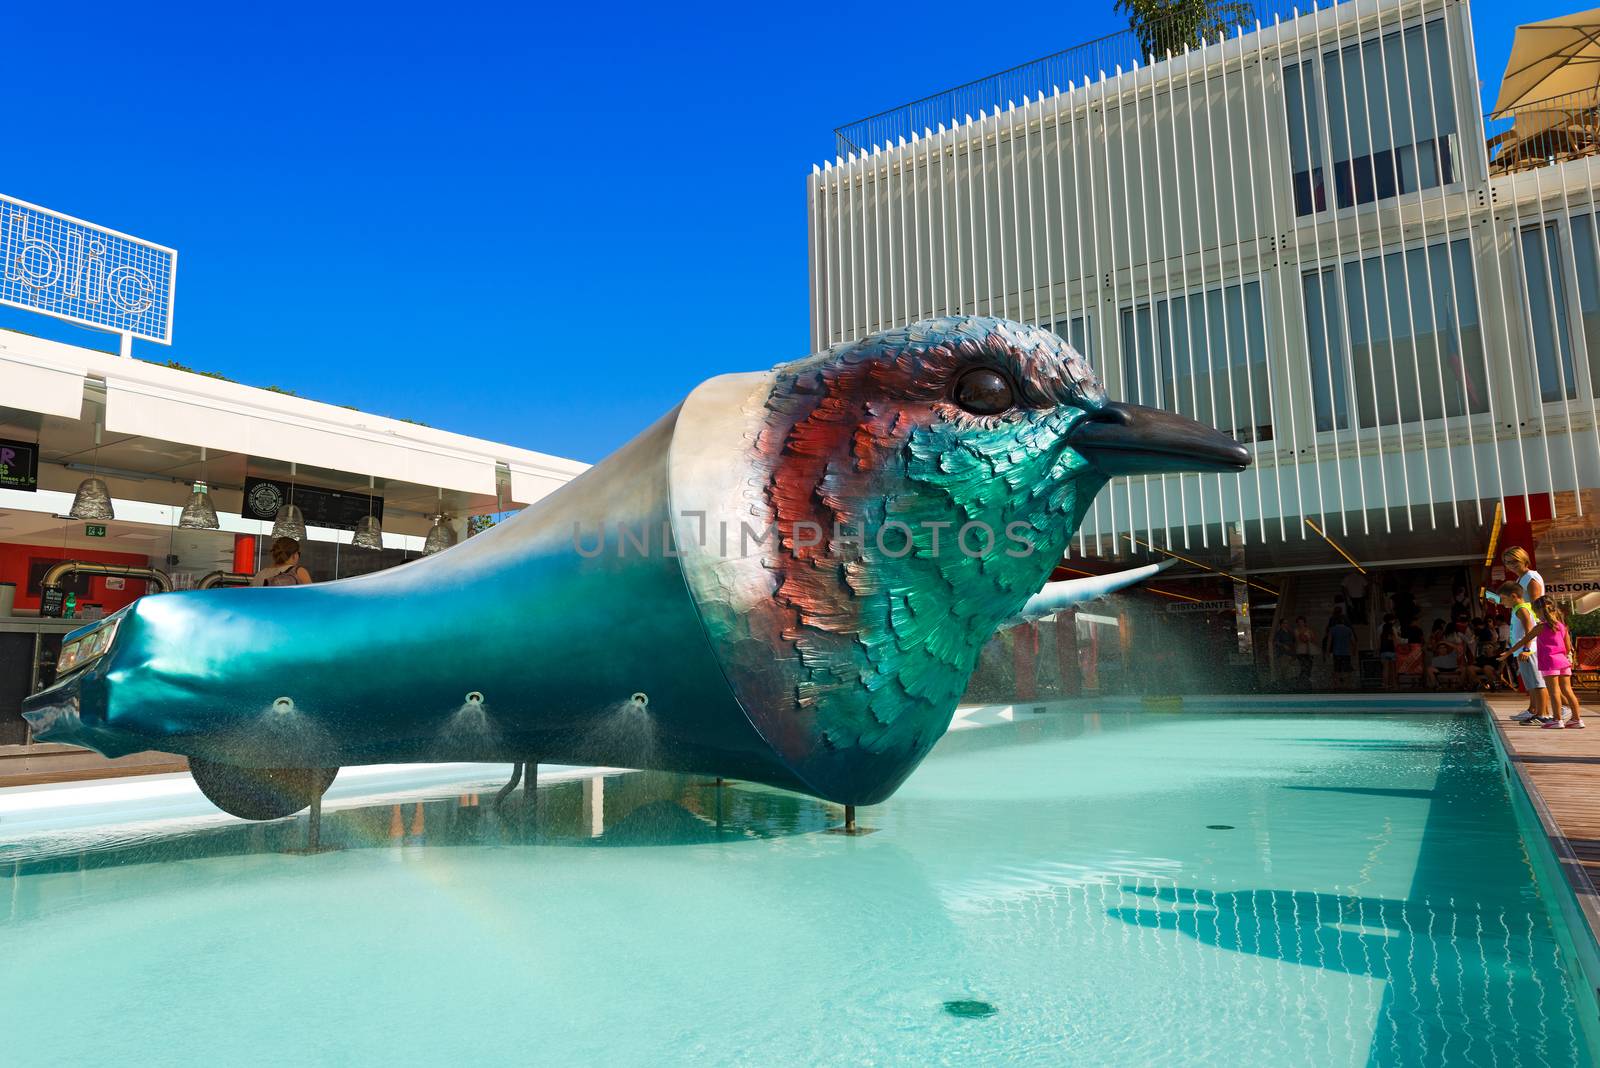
[(1164, 26)]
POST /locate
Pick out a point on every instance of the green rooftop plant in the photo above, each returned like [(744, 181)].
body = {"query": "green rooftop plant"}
[(1164, 26), (220, 377)]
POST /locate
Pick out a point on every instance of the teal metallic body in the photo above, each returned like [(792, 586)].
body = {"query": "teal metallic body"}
[(378, 667)]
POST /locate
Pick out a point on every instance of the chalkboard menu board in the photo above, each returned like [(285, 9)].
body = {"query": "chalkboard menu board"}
[(19, 465), (338, 509), (52, 601)]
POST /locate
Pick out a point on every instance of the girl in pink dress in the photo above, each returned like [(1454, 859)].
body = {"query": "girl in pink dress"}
[(1555, 663)]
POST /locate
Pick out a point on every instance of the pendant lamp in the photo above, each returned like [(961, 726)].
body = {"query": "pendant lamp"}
[(440, 536), (369, 533), (200, 513), (93, 499), (289, 523)]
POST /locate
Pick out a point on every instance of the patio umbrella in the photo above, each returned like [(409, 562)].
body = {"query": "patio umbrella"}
[(1551, 59)]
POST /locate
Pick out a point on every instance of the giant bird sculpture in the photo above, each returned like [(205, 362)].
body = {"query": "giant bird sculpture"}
[(787, 579)]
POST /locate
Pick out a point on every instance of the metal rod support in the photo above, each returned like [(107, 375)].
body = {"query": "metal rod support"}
[(505, 791), (314, 826)]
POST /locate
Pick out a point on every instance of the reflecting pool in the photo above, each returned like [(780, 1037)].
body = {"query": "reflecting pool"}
[(1129, 888)]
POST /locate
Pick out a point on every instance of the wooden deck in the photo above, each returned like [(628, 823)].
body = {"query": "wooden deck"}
[(1561, 770), (34, 764)]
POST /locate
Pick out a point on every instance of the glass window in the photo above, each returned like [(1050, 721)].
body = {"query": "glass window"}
[(1330, 387), (1547, 312), (1076, 332), (1203, 355), (1415, 346), (1586, 255), (1390, 120), (1140, 385), (1305, 140)]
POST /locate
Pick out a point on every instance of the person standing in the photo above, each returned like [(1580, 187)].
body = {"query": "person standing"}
[(1556, 658), (1520, 565), (1341, 645), (1282, 650), (1388, 643), (1523, 651), (1304, 648), (1355, 593), (285, 569)]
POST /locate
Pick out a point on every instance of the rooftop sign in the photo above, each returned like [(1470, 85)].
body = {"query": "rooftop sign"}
[(74, 270)]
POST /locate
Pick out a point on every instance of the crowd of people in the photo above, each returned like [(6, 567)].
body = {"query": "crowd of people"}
[(1510, 638)]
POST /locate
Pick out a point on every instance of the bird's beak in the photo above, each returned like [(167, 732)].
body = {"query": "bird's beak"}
[(1130, 439)]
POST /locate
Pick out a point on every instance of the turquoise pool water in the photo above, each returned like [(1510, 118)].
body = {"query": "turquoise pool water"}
[(1121, 889)]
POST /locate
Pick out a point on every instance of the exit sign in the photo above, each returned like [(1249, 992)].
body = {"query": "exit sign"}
[(94, 530)]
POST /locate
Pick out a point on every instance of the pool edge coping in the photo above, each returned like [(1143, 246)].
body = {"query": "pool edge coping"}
[(1563, 880)]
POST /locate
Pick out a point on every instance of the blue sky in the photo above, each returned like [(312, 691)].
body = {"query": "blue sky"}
[(538, 225)]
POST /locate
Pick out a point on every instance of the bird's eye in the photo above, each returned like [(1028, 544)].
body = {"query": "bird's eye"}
[(983, 391)]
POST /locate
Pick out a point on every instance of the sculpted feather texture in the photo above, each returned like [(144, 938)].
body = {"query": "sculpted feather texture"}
[(951, 521)]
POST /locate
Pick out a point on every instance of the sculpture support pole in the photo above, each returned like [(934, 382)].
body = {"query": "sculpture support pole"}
[(849, 827), (530, 797), (313, 844), (314, 827)]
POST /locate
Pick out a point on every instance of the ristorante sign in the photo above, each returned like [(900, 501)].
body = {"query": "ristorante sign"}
[(75, 270)]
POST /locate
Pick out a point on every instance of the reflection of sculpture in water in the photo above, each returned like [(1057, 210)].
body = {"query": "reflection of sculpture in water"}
[(787, 579)]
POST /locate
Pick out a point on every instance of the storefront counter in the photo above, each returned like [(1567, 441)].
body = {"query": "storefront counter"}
[(28, 647)]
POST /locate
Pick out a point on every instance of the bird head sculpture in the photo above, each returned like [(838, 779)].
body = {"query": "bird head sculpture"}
[(921, 484)]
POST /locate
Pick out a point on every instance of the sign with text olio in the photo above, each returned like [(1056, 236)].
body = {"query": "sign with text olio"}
[(75, 270)]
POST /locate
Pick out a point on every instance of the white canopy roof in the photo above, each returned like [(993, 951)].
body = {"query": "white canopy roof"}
[(150, 401)]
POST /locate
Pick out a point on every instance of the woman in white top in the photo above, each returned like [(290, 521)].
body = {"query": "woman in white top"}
[(1521, 568)]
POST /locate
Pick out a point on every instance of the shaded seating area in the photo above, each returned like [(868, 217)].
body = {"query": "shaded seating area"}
[(1542, 135), (1550, 95)]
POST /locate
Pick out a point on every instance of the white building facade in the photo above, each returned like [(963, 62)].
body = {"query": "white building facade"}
[(1296, 234)]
